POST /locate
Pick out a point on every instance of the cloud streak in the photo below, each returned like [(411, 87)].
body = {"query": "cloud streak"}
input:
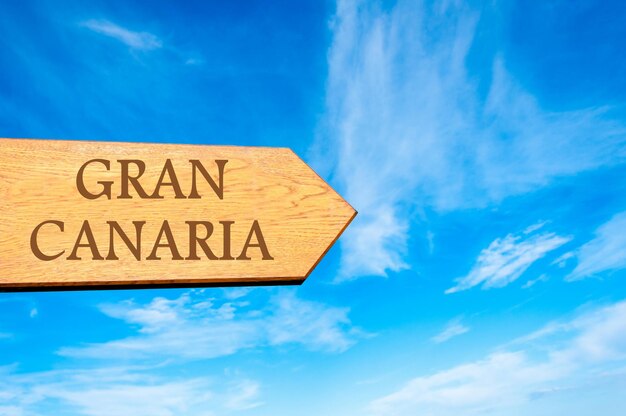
[(220, 328), (506, 259), (605, 252), (121, 390), (142, 41), (567, 355), (407, 127), (454, 328), (138, 374)]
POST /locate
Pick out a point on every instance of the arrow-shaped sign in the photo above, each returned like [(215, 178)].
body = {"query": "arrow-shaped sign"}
[(104, 215)]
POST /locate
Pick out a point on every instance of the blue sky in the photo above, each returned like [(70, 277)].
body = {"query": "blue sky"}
[(483, 144)]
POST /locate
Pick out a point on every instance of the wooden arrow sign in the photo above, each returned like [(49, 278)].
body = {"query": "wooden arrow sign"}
[(108, 215)]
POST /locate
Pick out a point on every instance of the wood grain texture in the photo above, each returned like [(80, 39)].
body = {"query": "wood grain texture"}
[(300, 215)]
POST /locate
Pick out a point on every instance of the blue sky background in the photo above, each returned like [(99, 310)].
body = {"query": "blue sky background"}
[(484, 146)]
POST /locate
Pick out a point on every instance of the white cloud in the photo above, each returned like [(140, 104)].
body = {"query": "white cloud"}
[(135, 40), (244, 396), (407, 127), (507, 258), (532, 282), (561, 261), (314, 325), (501, 379), (122, 391), (606, 252), (452, 329), (194, 61), (561, 356), (221, 327), (193, 326), (165, 399), (236, 292)]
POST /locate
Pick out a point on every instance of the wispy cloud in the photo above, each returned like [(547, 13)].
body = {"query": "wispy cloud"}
[(454, 328), (532, 282), (560, 357), (194, 61), (245, 396), (135, 40), (221, 327), (561, 261), (197, 325), (121, 391), (407, 127), (506, 259), (606, 252)]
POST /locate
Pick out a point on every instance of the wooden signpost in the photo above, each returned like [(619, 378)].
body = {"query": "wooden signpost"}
[(80, 215)]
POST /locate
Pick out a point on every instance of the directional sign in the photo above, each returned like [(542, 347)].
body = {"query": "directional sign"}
[(104, 215)]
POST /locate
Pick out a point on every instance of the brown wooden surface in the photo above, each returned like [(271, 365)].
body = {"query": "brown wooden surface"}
[(300, 215)]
